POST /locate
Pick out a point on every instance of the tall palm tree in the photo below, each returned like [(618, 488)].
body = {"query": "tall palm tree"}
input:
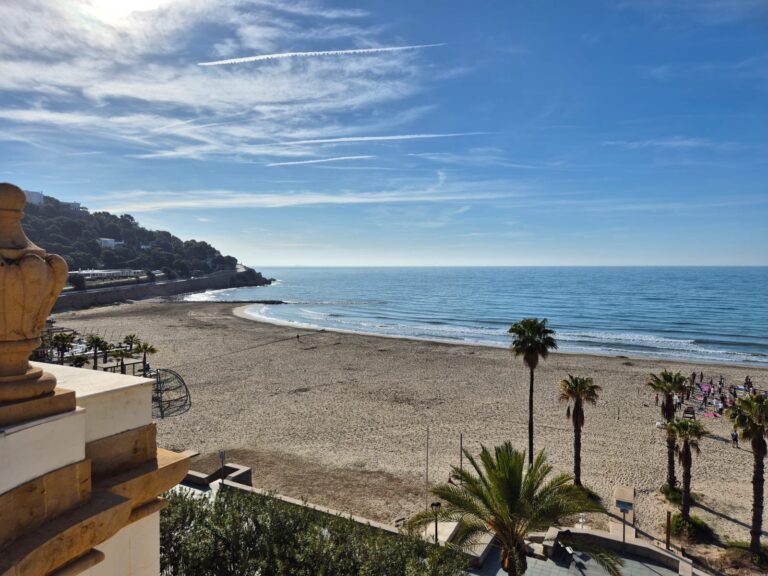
[(578, 390), (94, 342), (145, 348), (104, 348), (667, 384), (532, 340), (79, 360), (63, 341), (120, 354), (502, 496), (131, 340), (687, 433), (750, 417)]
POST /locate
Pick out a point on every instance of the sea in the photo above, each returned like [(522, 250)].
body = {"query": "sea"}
[(699, 314)]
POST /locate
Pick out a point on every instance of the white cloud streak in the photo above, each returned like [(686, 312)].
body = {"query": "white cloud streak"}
[(674, 143), (322, 160), (316, 54), (134, 201), (353, 139)]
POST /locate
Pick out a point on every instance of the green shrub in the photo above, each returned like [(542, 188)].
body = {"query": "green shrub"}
[(238, 533), (696, 530)]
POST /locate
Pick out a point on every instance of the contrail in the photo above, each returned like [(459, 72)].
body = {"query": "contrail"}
[(263, 57), (321, 160), (380, 138)]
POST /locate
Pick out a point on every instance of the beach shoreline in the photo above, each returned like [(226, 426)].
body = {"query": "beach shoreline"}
[(340, 418), (240, 312)]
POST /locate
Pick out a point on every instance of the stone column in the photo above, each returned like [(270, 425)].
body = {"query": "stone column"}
[(30, 282)]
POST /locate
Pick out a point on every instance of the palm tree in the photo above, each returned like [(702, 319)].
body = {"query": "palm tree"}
[(145, 348), (63, 341), (750, 417), (104, 348), (532, 340), (120, 354), (502, 496), (131, 340), (688, 433), (94, 342), (667, 384), (79, 360), (578, 391)]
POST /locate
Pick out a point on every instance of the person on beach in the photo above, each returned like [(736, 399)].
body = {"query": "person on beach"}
[(701, 376), (657, 398), (734, 439)]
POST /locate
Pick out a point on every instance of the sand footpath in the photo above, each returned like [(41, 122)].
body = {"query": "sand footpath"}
[(340, 418)]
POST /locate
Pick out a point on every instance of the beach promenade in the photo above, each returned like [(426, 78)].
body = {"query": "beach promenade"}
[(341, 419)]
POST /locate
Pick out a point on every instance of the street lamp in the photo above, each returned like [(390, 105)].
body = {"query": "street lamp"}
[(436, 509)]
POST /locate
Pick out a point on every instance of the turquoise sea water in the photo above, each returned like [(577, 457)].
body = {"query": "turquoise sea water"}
[(699, 314)]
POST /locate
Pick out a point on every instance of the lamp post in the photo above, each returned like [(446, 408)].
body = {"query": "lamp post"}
[(436, 509)]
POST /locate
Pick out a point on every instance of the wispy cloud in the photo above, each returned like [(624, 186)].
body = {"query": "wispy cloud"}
[(322, 160), (673, 143), (135, 201), (127, 78), (709, 12), (316, 54), (353, 139), (479, 157)]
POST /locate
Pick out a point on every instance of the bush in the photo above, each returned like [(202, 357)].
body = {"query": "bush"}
[(696, 530), (77, 281), (738, 557), (238, 533)]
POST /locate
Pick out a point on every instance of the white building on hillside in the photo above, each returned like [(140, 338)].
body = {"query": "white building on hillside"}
[(110, 243)]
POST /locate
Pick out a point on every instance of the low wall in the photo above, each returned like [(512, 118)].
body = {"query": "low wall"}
[(112, 295)]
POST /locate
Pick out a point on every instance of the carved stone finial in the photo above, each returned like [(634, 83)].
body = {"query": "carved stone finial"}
[(30, 282)]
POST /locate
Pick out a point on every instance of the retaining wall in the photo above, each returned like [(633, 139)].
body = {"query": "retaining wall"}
[(112, 295)]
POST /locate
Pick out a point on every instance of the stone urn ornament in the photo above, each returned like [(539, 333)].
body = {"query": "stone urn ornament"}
[(30, 282)]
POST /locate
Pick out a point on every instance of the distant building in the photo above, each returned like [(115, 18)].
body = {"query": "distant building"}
[(34, 197), (76, 206), (38, 198), (110, 243)]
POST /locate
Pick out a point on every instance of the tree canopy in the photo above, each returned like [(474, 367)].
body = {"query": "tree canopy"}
[(74, 235)]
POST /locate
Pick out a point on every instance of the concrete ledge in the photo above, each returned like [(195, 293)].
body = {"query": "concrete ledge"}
[(39, 447), (56, 402), (67, 537), (143, 484), (81, 564), (30, 505), (115, 402), (122, 451)]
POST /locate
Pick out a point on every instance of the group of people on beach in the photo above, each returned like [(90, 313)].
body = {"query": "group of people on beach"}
[(713, 397)]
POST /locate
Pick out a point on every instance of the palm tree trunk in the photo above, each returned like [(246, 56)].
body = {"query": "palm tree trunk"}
[(685, 507), (671, 480), (515, 561), (758, 483), (576, 454), (530, 421), (95, 358)]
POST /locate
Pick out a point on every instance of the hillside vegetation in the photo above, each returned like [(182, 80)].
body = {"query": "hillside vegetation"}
[(74, 235)]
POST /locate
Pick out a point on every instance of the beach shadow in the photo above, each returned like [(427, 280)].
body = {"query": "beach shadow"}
[(725, 516)]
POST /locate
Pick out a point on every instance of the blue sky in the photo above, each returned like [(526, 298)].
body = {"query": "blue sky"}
[(402, 133)]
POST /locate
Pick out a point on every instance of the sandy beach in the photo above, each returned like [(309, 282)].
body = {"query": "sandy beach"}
[(340, 419)]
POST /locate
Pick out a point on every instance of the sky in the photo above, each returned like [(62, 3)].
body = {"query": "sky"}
[(391, 132)]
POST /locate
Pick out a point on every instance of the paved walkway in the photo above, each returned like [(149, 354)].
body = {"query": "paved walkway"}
[(582, 565)]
